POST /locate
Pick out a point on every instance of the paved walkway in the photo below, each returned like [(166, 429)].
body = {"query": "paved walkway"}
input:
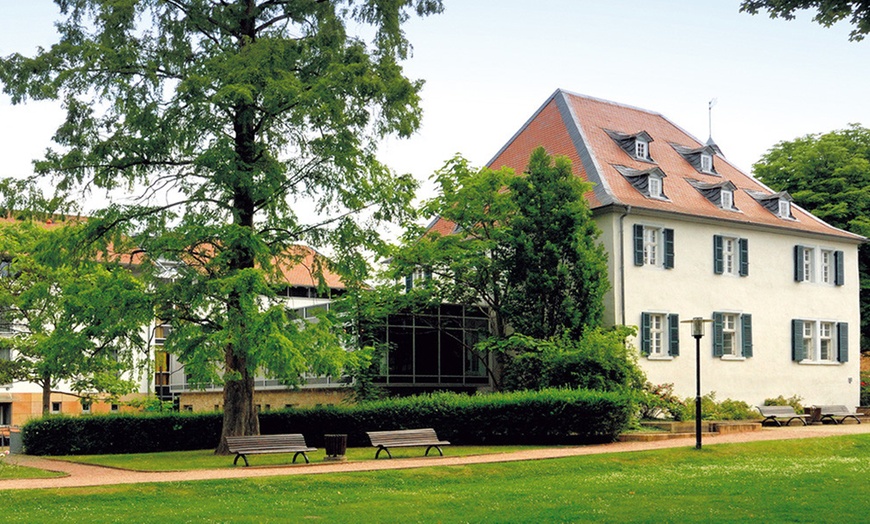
[(78, 475)]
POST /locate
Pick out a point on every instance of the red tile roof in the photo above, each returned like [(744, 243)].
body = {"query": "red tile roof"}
[(577, 126)]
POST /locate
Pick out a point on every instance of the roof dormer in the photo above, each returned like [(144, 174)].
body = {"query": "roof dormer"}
[(777, 203), (650, 182), (701, 158), (721, 194), (635, 145)]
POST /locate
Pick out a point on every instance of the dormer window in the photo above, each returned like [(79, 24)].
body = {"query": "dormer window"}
[(721, 193), (650, 182), (701, 158), (636, 145), (641, 149), (706, 163), (777, 203), (655, 187), (727, 199)]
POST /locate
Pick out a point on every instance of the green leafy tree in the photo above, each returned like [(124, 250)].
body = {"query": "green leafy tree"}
[(78, 323), (237, 121), (829, 175), (557, 267), (828, 12)]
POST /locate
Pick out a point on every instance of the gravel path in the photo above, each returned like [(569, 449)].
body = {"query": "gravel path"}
[(78, 475)]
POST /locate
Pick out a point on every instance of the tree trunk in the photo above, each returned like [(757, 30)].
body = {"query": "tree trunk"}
[(46, 394), (240, 416)]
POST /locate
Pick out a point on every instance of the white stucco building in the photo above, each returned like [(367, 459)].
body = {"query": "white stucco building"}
[(690, 235)]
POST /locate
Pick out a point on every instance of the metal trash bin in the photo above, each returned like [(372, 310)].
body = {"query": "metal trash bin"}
[(336, 446), (15, 445)]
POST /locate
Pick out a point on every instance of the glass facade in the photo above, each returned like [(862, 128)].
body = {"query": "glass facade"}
[(434, 348)]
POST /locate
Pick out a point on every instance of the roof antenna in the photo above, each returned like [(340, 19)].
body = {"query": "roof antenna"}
[(710, 141)]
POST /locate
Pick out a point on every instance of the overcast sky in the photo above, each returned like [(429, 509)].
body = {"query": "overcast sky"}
[(489, 64)]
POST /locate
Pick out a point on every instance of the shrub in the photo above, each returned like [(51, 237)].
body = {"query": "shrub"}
[(793, 401), (527, 417), (658, 401), (865, 388), (600, 360)]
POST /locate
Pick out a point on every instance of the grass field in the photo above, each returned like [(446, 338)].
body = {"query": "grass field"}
[(206, 459), (811, 480)]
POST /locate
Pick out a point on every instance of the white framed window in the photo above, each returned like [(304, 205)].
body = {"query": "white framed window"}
[(784, 209), (820, 341), (660, 335), (729, 334), (651, 251), (641, 149), (732, 335), (55, 407), (706, 163), (657, 335), (826, 266), (653, 246), (86, 406), (729, 256), (727, 199), (826, 342), (655, 187), (807, 264)]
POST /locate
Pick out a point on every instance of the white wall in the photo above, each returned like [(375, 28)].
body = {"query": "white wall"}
[(769, 294)]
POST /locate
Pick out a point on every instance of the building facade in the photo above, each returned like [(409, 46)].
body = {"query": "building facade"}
[(690, 235)]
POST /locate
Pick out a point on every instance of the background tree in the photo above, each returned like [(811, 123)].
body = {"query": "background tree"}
[(828, 12), (523, 247), (829, 175), (557, 267), (239, 120), (77, 324)]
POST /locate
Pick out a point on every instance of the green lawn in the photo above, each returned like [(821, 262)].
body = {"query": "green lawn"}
[(12, 471), (812, 480), (206, 459)]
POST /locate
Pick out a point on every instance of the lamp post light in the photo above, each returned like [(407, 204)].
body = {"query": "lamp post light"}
[(698, 333)]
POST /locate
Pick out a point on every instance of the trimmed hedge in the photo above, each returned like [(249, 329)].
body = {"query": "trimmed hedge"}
[(556, 416)]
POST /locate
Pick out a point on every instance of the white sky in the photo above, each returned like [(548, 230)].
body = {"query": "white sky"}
[(489, 64)]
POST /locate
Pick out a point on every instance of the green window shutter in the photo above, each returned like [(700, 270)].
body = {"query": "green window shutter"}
[(743, 243), (797, 340), (842, 341), (669, 248), (718, 335), (746, 335), (718, 263), (409, 283), (839, 269), (638, 245), (674, 334), (798, 263), (644, 333)]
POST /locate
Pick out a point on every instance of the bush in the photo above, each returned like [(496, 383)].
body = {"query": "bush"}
[(600, 360), (793, 401), (865, 388), (658, 401), (529, 417)]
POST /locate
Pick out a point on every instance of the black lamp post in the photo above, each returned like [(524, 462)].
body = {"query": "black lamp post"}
[(698, 333)]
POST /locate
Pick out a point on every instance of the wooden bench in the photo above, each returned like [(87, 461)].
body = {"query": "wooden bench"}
[(832, 412), (774, 413), (405, 438), (259, 444)]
